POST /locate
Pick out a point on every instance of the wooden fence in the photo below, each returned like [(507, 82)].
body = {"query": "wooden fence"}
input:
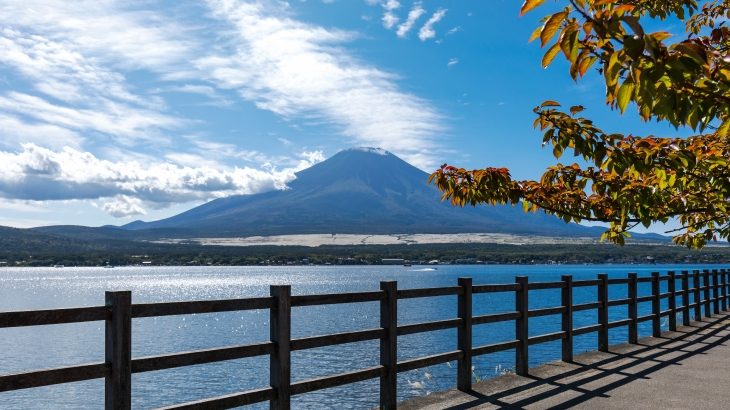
[(709, 290)]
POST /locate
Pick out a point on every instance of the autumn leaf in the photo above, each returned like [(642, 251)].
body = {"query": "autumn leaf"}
[(529, 5), (576, 109), (551, 27), (629, 180), (550, 55)]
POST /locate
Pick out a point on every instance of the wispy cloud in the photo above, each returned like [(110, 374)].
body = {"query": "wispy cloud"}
[(389, 18), (300, 70), (427, 32), (58, 70), (75, 94), (416, 12), (214, 96), (82, 128), (452, 62), (16, 131), (75, 52), (285, 141), (126, 123), (127, 33), (453, 30)]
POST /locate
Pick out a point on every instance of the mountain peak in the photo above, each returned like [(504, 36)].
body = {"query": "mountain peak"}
[(358, 190), (370, 150)]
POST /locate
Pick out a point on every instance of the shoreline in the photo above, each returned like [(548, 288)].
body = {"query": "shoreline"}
[(315, 240)]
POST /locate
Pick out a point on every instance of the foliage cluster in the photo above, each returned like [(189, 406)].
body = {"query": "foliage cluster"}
[(626, 180)]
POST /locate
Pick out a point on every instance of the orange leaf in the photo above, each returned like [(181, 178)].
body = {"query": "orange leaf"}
[(550, 55), (551, 27), (529, 5)]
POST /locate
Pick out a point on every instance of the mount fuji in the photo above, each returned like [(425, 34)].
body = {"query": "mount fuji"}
[(356, 191)]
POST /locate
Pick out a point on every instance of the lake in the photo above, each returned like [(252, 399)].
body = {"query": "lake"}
[(24, 349)]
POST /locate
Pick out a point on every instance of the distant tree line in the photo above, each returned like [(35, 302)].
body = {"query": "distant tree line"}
[(192, 255)]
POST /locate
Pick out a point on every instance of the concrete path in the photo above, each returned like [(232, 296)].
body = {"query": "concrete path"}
[(687, 369)]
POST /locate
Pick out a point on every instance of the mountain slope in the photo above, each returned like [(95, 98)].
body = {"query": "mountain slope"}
[(364, 191), (23, 242)]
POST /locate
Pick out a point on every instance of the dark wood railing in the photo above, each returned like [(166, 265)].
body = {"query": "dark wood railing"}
[(118, 313)]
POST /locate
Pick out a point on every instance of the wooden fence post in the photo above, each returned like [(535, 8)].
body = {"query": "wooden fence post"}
[(656, 323), (706, 277), (464, 336), (685, 298), (723, 276), (715, 293), (727, 273), (698, 304), (603, 312), (118, 351), (633, 311), (389, 345), (521, 326), (727, 286), (280, 358), (671, 289), (723, 289), (566, 297)]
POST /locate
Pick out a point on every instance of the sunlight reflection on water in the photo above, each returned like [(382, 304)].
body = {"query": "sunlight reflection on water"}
[(23, 349)]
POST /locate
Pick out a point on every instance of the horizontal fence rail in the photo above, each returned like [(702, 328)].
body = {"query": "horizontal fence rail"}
[(709, 293)]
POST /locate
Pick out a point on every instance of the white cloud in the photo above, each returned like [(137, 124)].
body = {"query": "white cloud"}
[(416, 12), (74, 54), (452, 62), (205, 90), (214, 96), (427, 32), (122, 206), (127, 123), (453, 30), (284, 141), (88, 130), (210, 149), (15, 131), (58, 70), (80, 96), (389, 18), (300, 70), (40, 174), (122, 32)]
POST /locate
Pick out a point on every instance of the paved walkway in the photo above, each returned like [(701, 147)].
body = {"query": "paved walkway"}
[(686, 369)]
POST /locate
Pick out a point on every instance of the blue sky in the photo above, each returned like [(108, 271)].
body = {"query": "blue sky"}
[(112, 111)]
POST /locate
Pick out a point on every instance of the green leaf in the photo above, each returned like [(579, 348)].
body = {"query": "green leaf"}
[(612, 70), (724, 128), (624, 94), (569, 43)]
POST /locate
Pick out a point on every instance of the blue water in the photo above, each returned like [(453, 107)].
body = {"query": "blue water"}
[(24, 349)]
